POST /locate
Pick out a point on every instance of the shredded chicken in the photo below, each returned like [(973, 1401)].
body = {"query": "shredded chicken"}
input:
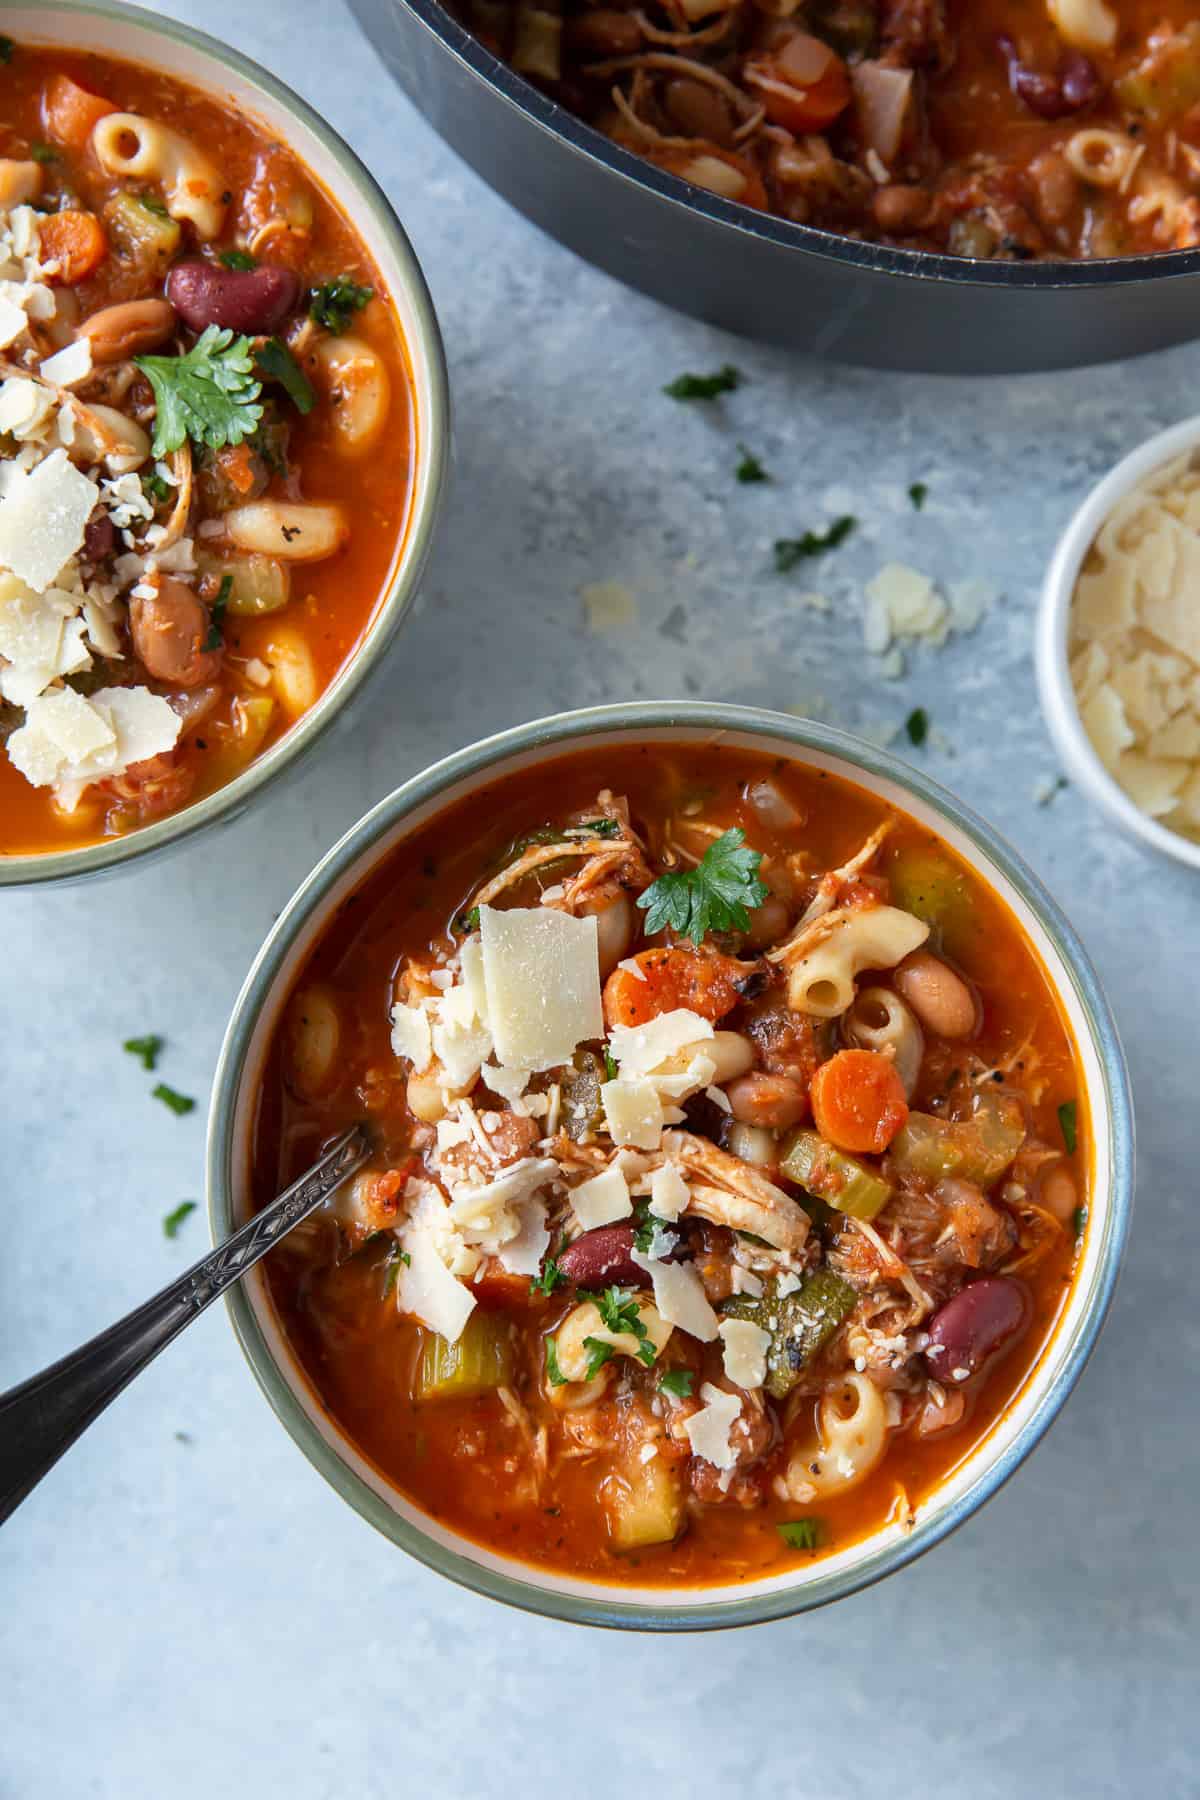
[(730, 1192)]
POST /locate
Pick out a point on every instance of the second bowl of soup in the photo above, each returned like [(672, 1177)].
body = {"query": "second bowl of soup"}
[(224, 433), (752, 1164)]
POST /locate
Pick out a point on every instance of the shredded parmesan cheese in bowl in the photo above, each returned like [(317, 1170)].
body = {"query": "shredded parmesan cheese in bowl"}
[(1118, 646)]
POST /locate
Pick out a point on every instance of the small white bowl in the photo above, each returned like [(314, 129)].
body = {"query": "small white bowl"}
[(1054, 676)]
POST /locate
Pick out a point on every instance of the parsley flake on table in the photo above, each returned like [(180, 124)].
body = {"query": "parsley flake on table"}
[(276, 363), (1068, 1116), (210, 394), (918, 493), (678, 1382), (790, 551), (917, 726), (801, 1534), (704, 387), (174, 1220), (216, 619), (717, 895), (749, 468), (335, 302), (178, 1103), (147, 1048)]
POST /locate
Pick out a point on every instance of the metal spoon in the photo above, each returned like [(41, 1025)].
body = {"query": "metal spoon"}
[(43, 1417)]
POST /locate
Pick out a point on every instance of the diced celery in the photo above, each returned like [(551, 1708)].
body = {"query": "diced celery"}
[(840, 1180), (644, 1503), (140, 231), (977, 1149), (927, 884), (1166, 83), (257, 584), (480, 1360), (254, 714), (798, 1324)]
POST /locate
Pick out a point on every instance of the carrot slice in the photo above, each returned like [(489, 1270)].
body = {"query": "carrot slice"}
[(858, 1101), (702, 981), (70, 112), (76, 242)]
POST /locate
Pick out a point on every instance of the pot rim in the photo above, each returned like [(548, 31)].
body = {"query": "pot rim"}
[(373, 216), (1111, 1108)]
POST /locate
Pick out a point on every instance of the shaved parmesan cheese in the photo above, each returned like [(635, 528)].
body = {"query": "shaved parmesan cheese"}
[(668, 1192), (461, 1048), (69, 365), (66, 738), (411, 1036), (12, 322), (679, 1296), (510, 1084), (640, 1049), (633, 1113), (708, 1431), (25, 406), (542, 979), (523, 1254), (745, 1352), (427, 1290), (787, 1283), (602, 1199), (42, 519)]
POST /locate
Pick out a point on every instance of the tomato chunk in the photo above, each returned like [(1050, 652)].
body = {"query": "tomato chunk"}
[(700, 981)]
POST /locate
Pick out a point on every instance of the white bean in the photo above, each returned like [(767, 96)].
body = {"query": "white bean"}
[(293, 530), (359, 392)]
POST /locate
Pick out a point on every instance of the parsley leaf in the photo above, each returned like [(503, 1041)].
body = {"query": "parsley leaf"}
[(335, 302), (598, 1354), (175, 1219), (210, 394), (216, 636), (1068, 1122), (276, 362), (467, 922), (679, 1382), (605, 828), (704, 387), (610, 1064), (790, 551), (647, 1226), (152, 204), (557, 1378), (147, 1048), (43, 153), (1079, 1219), (717, 895), (238, 259), (617, 1306), (6, 49), (399, 1259), (917, 726), (918, 493), (749, 468), (178, 1103), (802, 1534), (155, 487), (550, 1278)]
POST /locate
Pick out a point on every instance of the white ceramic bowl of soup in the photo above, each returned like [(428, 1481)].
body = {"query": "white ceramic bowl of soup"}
[(1060, 703), (131, 34), (260, 1008)]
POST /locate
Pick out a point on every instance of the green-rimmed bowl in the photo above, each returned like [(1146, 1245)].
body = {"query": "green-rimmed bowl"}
[(1014, 1435), (131, 33)]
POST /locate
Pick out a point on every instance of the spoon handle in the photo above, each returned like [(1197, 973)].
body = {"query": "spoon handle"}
[(43, 1417)]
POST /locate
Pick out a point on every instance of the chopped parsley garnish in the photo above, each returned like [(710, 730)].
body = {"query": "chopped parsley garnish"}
[(1079, 1219), (1068, 1116), (790, 551), (399, 1259), (210, 394), (557, 1378), (276, 362), (154, 485), (550, 1278), (704, 387), (749, 468), (335, 302), (605, 828), (917, 726), (147, 1048), (152, 204), (43, 153), (647, 1227), (801, 1534), (238, 259), (175, 1219), (598, 1354), (717, 895), (679, 1382), (618, 1307), (610, 1064), (178, 1103), (467, 922), (6, 49), (918, 493), (216, 637)]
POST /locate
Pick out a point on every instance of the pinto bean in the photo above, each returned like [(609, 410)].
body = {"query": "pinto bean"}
[(698, 110), (250, 300), (900, 208), (941, 999), (134, 326), (604, 32), (169, 631), (776, 1101), (969, 1329)]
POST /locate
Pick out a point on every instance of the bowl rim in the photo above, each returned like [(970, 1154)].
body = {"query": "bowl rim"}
[(559, 733), (378, 223), (1055, 687), (879, 259)]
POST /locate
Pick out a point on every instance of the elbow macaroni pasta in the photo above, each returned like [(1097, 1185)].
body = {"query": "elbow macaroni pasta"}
[(1101, 158), (880, 1020), (191, 182), (852, 1435), (851, 939)]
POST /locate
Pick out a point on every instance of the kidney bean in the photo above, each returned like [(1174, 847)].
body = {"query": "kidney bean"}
[(1075, 85), (99, 538), (602, 1256), (251, 300), (169, 630), (968, 1329)]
